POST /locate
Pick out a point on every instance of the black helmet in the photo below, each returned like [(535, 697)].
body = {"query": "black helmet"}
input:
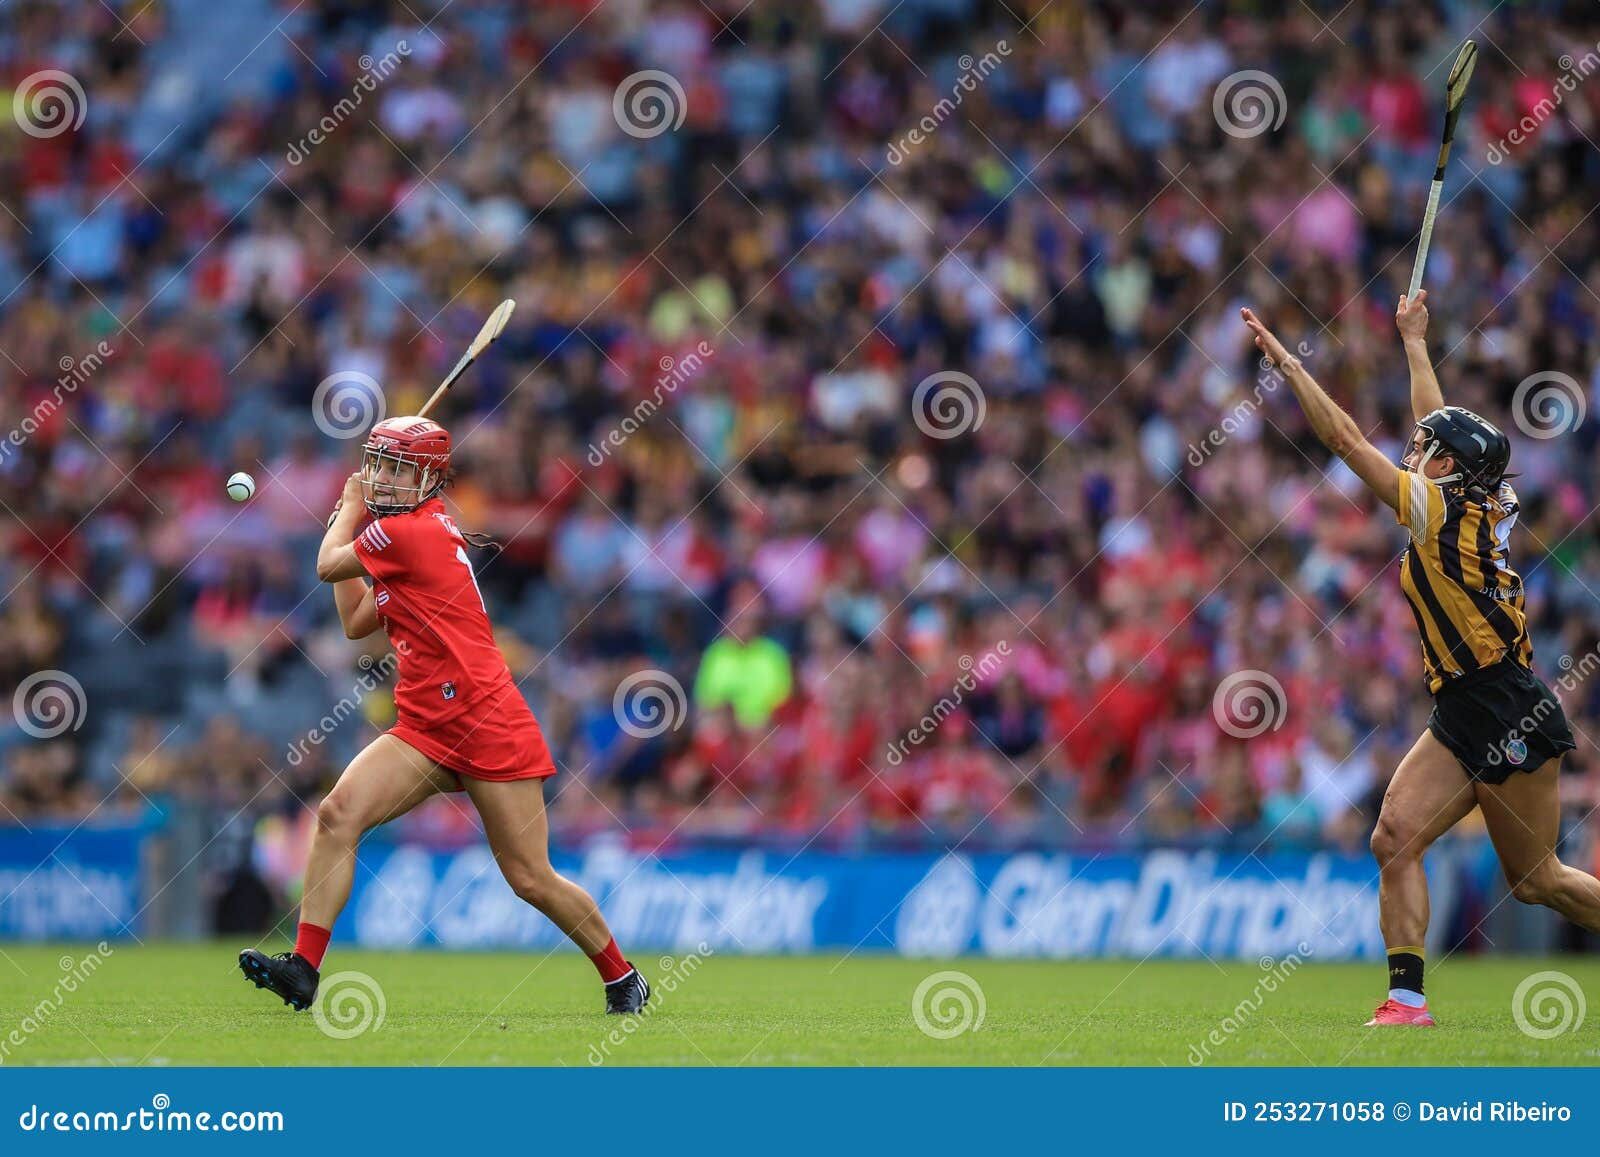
[(1481, 451)]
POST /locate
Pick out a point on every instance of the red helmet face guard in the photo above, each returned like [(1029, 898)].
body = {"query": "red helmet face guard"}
[(405, 462)]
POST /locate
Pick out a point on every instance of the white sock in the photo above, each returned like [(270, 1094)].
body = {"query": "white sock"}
[(1408, 998)]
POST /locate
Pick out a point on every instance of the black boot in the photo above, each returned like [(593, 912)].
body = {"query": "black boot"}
[(288, 974), (627, 994)]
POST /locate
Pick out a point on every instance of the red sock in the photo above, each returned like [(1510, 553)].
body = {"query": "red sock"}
[(311, 942), (610, 963)]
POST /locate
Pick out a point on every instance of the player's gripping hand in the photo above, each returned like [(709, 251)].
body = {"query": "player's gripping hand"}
[(1411, 316), (351, 494)]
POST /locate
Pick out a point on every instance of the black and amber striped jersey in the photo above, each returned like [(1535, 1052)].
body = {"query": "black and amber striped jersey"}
[(1467, 600)]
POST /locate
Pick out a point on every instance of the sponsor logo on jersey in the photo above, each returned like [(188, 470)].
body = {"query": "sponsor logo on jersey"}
[(380, 598), (448, 690), (1509, 595)]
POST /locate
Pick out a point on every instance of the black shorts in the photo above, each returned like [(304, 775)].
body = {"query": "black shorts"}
[(1500, 720)]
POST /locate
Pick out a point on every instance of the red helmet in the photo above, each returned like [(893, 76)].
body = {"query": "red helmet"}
[(416, 453)]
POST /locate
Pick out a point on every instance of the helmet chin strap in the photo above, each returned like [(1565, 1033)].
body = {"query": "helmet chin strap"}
[(427, 485)]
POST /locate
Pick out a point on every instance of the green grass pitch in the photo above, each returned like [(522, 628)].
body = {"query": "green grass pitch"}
[(188, 1005)]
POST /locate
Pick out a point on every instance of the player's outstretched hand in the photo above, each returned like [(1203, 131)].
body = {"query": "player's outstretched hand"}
[(1411, 315), (1266, 341)]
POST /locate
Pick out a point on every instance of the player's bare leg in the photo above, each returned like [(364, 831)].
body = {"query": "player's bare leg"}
[(386, 780), (1523, 816), (1429, 794), (518, 830), (514, 821)]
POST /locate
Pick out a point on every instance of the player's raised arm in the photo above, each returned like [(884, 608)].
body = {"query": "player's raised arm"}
[(1411, 319), (336, 557), (1333, 427)]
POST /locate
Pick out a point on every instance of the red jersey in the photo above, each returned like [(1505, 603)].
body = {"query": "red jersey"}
[(428, 602), (455, 698)]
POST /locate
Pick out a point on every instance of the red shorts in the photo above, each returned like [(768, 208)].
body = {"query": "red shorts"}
[(503, 744)]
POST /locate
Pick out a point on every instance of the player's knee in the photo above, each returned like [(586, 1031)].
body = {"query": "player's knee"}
[(338, 817), (1538, 886), (1393, 841), (535, 885)]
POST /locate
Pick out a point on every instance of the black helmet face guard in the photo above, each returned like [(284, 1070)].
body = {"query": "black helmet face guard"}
[(425, 481)]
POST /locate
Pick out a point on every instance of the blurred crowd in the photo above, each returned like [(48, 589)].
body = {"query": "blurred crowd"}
[(994, 608)]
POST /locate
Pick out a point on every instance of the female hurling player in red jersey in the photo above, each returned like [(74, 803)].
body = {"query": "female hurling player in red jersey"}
[(462, 724)]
